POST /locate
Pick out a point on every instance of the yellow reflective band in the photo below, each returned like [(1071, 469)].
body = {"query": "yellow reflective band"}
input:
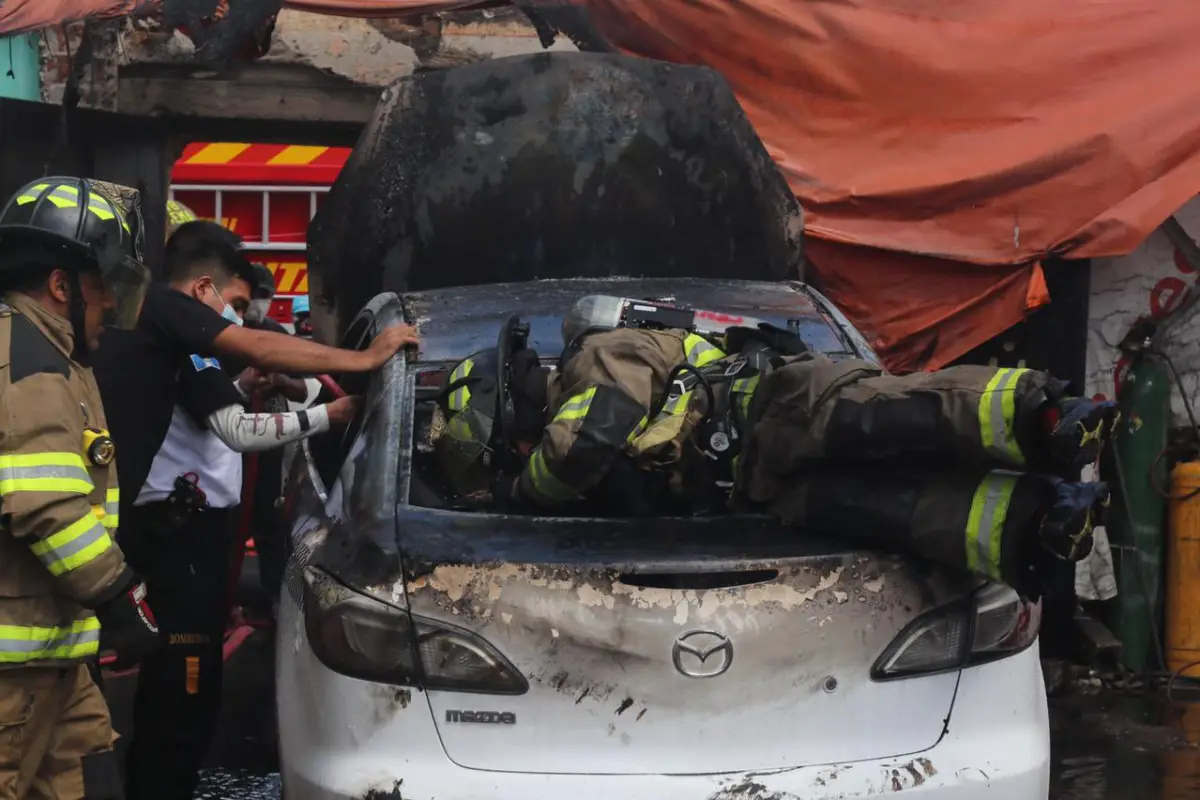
[(24, 643), (699, 352), (985, 523), (101, 208), (112, 508), (459, 429), (44, 472), (744, 388), (64, 196), (576, 407), (638, 430), (676, 404), (74, 546), (30, 198), (544, 483), (997, 417), (462, 395)]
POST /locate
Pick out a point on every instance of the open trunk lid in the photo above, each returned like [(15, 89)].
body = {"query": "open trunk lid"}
[(673, 646)]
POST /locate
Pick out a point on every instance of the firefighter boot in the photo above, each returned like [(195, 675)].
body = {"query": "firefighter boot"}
[(1077, 429), (1074, 510)]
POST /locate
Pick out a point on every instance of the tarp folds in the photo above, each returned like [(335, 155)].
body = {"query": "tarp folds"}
[(549, 166), (982, 134)]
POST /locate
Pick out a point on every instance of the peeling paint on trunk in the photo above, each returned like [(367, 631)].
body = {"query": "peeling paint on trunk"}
[(385, 794), (608, 690), (473, 591)]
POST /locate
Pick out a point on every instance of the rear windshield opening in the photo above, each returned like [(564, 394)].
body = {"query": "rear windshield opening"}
[(430, 487)]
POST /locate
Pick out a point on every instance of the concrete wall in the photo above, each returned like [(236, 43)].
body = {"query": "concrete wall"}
[(379, 51), (1152, 280), (371, 52)]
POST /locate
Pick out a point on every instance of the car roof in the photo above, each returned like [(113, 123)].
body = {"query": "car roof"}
[(455, 322)]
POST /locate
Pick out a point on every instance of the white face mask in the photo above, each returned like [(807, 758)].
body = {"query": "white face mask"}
[(227, 312), (257, 311)]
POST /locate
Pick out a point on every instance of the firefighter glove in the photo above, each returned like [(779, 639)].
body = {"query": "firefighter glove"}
[(1066, 529), (127, 625)]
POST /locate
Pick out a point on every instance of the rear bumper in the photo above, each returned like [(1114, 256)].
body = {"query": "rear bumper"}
[(997, 748)]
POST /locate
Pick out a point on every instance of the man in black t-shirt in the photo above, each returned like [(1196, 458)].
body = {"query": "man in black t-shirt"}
[(197, 312), (180, 425)]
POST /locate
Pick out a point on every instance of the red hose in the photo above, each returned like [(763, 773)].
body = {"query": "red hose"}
[(330, 384)]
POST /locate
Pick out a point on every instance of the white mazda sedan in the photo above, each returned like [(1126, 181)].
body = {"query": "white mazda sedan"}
[(433, 651)]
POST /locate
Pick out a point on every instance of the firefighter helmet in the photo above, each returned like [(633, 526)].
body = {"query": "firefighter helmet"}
[(100, 223)]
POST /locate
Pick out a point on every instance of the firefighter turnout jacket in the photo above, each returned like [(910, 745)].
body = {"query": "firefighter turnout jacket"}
[(610, 398), (807, 437), (814, 409), (58, 495)]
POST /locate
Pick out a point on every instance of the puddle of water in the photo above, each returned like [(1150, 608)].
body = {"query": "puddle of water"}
[(1125, 748), (223, 784)]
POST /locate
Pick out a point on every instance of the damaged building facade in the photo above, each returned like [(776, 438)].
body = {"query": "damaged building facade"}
[(142, 94)]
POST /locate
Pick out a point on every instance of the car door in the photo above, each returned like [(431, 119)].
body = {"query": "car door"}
[(341, 495)]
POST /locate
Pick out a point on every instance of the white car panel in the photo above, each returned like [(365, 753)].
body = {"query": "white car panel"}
[(345, 739)]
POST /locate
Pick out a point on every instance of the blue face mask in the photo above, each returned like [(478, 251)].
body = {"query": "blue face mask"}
[(227, 312)]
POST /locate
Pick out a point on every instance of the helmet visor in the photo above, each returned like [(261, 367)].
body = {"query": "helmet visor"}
[(127, 280)]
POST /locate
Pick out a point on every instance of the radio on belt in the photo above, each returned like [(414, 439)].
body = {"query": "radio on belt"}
[(186, 498)]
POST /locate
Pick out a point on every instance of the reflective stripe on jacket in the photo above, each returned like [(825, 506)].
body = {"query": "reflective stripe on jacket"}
[(57, 554), (600, 405), (985, 522)]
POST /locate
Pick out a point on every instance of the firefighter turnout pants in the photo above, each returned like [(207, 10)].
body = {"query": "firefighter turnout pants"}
[(186, 570), (1002, 525), (56, 739), (814, 409)]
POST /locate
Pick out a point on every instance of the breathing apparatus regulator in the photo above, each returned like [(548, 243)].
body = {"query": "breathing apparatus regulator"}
[(759, 345)]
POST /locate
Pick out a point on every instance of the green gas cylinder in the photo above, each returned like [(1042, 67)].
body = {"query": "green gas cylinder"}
[(1137, 518)]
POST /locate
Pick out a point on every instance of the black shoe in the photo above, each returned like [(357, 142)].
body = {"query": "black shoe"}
[(1066, 529), (1080, 428)]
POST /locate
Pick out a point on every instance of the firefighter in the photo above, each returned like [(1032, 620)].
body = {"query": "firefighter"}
[(68, 264), (636, 417), (178, 214)]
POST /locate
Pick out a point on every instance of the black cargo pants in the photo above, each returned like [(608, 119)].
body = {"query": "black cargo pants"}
[(179, 688)]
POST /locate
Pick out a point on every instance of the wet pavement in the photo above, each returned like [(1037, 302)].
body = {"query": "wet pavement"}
[(1126, 747), (1104, 747)]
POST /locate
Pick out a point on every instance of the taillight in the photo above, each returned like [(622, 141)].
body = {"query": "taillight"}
[(992, 623), (364, 638)]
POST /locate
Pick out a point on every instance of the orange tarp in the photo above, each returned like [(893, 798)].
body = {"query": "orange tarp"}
[(940, 148), (985, 134)]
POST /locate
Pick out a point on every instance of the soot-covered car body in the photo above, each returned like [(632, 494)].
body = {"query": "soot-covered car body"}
[(555, 165), (431, 650)]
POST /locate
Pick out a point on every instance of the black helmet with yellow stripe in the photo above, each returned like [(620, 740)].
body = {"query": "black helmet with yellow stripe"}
[(97, 223)]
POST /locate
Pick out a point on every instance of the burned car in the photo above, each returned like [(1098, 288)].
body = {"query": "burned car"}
[(429, 647)]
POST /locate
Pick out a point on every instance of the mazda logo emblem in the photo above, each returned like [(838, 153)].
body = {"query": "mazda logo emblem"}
[(702, 654)]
